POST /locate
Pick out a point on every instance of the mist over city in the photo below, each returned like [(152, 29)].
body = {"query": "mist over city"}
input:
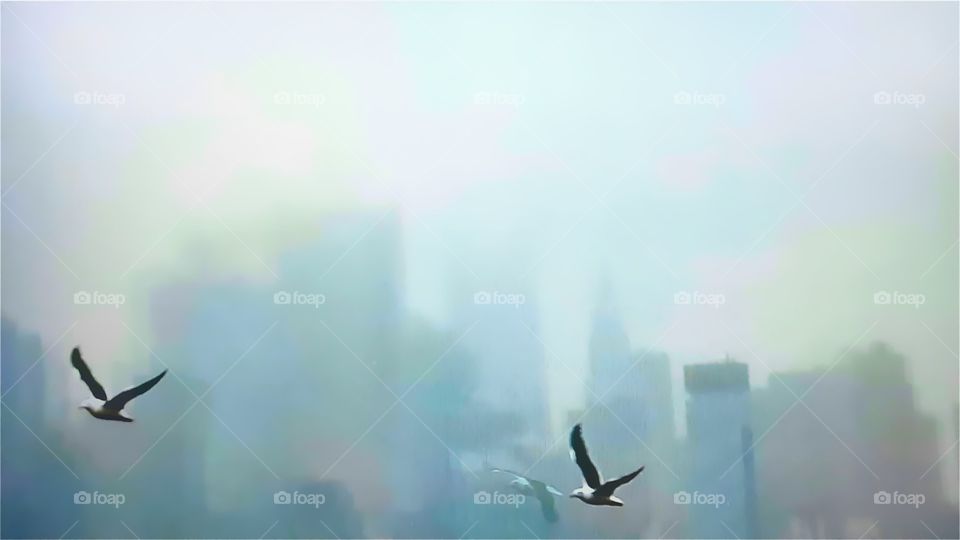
[(365, 266)]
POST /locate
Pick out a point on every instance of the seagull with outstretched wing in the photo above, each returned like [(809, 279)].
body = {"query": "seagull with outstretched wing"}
[(543, 492), (100, 406), (594, 491)]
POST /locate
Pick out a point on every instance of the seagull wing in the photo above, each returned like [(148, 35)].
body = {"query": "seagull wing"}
[(548, 508), (118, 401), (523, 480), (578, 450), (544, 494), (609, 487), (86, 375), (541, 488), (508, 471), (554, 490)]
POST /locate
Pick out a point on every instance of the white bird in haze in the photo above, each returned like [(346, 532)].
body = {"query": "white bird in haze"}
[(535, 488), (101, 407), (594, 491)]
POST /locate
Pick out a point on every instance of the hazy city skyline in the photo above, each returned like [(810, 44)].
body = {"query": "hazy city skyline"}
[(515, 207)]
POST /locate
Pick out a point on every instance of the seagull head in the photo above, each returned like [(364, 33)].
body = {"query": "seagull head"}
[(578, 494)]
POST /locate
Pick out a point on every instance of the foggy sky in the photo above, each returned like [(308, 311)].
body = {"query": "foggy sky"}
[(524, 147)]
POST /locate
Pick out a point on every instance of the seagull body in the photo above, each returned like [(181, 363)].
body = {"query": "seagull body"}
[(595, 491), (99, 406), (543, 492)]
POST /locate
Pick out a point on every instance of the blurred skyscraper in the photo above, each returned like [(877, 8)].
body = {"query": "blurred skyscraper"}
[(37, 490), (718, 410), (631, 415), (178, 463), (335, 297), (861, 434), (505, 341), (616, 378), (22, 380)]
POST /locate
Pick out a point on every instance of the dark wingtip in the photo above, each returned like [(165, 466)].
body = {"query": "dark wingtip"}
[(576, 435), (75, 356)]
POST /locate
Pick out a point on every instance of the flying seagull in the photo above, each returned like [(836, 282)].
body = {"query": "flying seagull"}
[(535, 488), (594, 491), (101, 407)]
